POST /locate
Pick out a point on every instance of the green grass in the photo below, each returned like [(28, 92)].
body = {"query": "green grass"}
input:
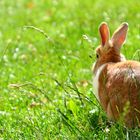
[(46, 84)]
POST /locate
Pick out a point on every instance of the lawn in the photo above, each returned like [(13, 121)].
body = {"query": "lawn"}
[(46, 54)]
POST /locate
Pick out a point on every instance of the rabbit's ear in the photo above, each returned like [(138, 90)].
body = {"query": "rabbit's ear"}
[(104, 33), (119, 36)]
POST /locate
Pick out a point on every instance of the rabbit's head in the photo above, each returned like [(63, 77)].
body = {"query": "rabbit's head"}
[(109, 49)]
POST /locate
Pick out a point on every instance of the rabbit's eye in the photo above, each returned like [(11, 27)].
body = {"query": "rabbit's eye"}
[(97, 56)]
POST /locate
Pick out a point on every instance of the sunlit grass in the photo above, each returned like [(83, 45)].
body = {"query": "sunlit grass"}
[(46, 84)]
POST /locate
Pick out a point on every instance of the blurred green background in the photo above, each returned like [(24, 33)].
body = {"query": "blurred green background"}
[(46, 82)]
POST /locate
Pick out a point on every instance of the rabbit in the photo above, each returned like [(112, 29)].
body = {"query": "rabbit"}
[(117, 80)]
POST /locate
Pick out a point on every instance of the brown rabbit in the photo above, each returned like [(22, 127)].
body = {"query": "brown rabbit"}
[(117, 81)]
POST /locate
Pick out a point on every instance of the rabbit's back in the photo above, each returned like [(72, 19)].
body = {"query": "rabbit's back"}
[(119, 90)]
